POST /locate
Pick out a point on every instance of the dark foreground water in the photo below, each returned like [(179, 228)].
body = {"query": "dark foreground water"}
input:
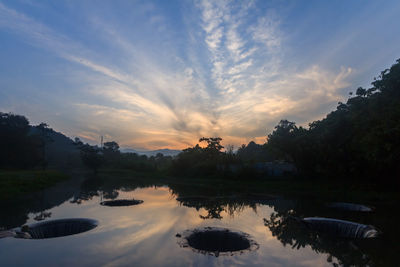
[(151, 233)]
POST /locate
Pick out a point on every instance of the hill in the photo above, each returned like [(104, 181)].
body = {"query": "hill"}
[(149, 153)]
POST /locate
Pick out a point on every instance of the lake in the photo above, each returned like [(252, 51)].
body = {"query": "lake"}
[(153, 233)]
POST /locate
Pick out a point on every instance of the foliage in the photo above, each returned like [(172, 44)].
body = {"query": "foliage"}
[(110, 157), (44, 139), (133, 161), (208, 160), (253, 153), (193, 160), (213, 145), (19, 149), (26, 147), (111, 147), (161, 162), (361, 138), (111, 152), (92, 156)]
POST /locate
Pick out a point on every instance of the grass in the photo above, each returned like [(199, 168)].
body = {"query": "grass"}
[(20, 182)]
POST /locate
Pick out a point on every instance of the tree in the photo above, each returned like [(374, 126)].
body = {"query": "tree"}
[(253, 153), (360, 139), (44, 138), (229, 149), (18, 149), (111, 153), (281, 140), (111, 147), (92, 157), (197, 160), (213, 144), (78, 142)]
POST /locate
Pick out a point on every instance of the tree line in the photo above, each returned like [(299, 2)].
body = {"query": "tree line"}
[(20, 148), (109, 156), (358, 140)]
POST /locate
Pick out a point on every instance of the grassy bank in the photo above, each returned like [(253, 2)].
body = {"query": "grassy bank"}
[(15, 183)]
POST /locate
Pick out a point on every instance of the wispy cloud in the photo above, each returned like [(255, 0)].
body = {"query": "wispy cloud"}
[(230, 80)]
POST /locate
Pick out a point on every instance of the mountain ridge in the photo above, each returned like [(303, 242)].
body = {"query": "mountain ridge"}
[(149, 153)]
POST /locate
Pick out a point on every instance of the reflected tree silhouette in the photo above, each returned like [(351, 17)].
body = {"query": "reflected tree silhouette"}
[(42, 215), (291, 231), (215, 206), (107, 187), (16, 212), (231, 204), (216, 201)]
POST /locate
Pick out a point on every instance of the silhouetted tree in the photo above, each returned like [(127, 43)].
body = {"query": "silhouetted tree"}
[(44, 131), (199, 161), (213, 144), (92, 157), (18, 149), (360, 139), (111, 153), (111, 146), (253, 153)]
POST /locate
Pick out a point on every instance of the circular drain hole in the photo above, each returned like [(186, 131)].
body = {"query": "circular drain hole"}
[(121, 202), (56, 228), (217, 241)]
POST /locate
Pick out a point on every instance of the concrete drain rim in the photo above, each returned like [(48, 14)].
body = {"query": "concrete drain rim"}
[(56, 228), (185, 241)]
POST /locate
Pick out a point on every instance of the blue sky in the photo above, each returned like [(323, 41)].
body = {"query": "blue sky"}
[(157, 74)]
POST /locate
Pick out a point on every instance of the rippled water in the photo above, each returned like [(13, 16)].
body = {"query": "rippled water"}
[(146, 234)]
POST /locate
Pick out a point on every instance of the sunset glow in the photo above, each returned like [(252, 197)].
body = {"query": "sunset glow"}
[(162, 74)]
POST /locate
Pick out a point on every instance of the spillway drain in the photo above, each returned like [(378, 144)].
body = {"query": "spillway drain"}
[(56, 228), (341, 228), (217, 241), (121, 202)]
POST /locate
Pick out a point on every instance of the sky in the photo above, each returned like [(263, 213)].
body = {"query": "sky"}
[(162, 74)]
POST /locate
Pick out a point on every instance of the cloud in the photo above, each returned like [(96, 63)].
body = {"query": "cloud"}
[(304, 96), (265, 32), (230, 80)]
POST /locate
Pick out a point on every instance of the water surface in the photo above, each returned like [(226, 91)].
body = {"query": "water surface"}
[(145, 234)]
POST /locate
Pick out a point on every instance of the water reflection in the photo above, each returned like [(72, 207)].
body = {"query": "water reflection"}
[(145, 234), (107, 188), (16, 212), (214, 206), (81, 188), (230, 201), (42, 215), (290, 231)]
